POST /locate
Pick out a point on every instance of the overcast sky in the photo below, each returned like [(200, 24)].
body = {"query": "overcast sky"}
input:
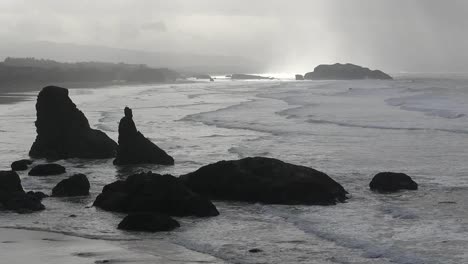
[(292, 35)]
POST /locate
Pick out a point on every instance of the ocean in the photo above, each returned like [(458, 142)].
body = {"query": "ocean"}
[(350, 130)]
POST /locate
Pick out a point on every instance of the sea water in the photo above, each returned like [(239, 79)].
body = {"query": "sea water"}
[(350, 130)]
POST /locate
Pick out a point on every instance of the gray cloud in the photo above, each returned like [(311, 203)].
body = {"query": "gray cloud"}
[(418, 35), (158, 26)]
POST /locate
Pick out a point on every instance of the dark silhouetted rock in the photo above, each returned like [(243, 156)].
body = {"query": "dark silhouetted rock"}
[(134, 148), (76, 185), (299, 77), (149, 222), (265, 180), (255, 250), (345, 72), (248, 77), (10, 182), (23, 203), (63, 130), (13, 197), (37, 195), (150, 192), (21, 165), (392, 182), (46, 169)]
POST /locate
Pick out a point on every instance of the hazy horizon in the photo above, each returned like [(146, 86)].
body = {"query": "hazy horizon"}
[(272, 36)]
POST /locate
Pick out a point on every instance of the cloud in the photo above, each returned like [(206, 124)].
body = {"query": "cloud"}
[(158, 26)]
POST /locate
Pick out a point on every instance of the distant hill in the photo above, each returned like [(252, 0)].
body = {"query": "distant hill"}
[(22, 72), (181, 62)]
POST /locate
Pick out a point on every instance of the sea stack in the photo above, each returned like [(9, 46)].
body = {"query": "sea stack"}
[(135, 148), (63, 130)]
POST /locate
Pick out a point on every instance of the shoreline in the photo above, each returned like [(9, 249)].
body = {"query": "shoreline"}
[(45, 247), (18, 93)]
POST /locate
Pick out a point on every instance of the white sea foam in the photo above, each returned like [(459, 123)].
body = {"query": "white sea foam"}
[(348, 129)]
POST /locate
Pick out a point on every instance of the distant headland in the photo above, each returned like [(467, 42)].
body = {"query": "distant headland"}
[(346, 71)]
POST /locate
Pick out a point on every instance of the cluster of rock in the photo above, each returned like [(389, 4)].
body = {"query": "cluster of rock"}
[(151, 199), (63, 132), (346, 71), (388, 182)]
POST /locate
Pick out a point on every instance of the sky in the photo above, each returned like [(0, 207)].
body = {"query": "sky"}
[(288, 35)]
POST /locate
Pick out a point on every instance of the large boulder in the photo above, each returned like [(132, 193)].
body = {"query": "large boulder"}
[(265, 180), (345, 72), (76, 185), (149, 222), (299, 77), (46, 170), (63, 130), (150, 192), (13, 197), (392, 182), (134, 148), (21, 165)]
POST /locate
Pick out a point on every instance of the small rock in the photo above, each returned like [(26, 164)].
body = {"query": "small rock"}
[(46, 169), (37, 195), (255, 250), (21, 165), (392, 182), (299, 77), (76, 185), (149, 222)]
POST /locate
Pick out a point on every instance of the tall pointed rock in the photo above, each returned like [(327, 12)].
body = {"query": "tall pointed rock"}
[(134, 148), (63, 130)]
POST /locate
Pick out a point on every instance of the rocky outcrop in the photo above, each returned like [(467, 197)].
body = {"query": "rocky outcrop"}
[(134, 148), (150, 192), (21, 165), (13, 197), (392, 182), (345, 72), (76, 185), (248, 77), (265, 180), (63, 130), (46, 170), (148, 222), (299, 77)]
